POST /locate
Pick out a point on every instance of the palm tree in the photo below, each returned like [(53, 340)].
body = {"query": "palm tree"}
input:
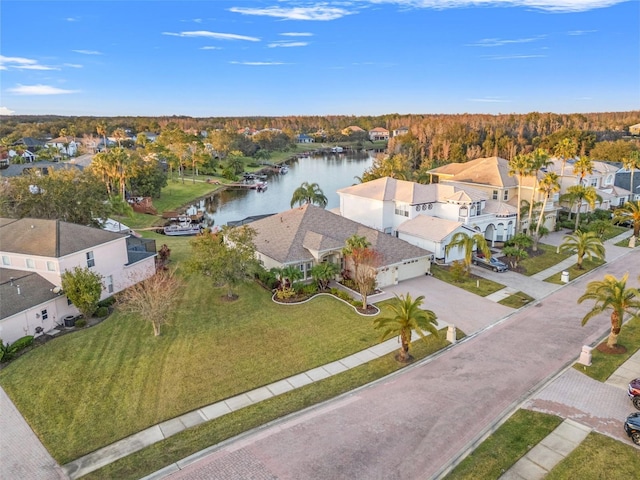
[(519, 165), (565, 149), (323, 273), (577, 194), (408, 317), (101, 129), (631, 163), (468, 243), (548, 186), (582, 167), (629, 211), (583, 244), (291, 274), (612, 294), (309, 193), (539, 159)]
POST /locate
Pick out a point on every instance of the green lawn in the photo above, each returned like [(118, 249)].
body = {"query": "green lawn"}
[(613, 231), (473, 284), (523, 430), (574, 272), (517, 300), (104, 383), (538, 263)]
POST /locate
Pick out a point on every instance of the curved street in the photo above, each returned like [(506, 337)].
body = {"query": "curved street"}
[(416, 423)]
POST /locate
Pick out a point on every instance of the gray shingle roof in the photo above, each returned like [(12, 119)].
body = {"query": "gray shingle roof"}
[(50, 238), (287, 237), (34, 290)]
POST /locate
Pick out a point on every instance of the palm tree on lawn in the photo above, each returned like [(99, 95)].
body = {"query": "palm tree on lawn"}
[(577, 194), (309, 193), (407, 317), (520, 166), (469, 243), (582, 167), (565, 149), (583, 244), (548, 186), (612, 294), (291, 274), (631, 163), (629, 211)]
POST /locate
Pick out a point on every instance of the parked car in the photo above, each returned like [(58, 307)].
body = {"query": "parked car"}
[(634, 392), (492, 263), (632, 427)]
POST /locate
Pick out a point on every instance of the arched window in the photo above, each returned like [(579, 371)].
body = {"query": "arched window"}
[(464, 211)]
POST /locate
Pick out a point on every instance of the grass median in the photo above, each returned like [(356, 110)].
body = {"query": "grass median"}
[(472, 283)]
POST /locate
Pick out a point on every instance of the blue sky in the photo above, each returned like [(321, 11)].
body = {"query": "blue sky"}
[(290, 57)]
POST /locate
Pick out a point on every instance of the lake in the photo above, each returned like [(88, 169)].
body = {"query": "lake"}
[(330, 171)]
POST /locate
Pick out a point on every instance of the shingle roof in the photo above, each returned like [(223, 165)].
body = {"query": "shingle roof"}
[(289, 236), (16, 169), (50, 238), (34, 290)]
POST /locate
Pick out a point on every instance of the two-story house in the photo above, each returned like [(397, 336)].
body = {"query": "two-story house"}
[(66, 145), (378, 134), (36, 252), (398, 207)]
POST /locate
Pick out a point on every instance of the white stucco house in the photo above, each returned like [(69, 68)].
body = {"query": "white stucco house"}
[(66, 145), (35, 253), (309, 235), (395, 207)]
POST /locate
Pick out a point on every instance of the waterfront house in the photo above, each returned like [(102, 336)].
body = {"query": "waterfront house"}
[(378, 134)]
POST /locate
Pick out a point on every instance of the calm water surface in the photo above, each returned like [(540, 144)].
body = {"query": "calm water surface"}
[(330, 172)]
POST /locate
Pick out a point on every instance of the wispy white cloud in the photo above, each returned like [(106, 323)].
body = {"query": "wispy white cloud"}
[(72, 19), (489, 100), (297, 34), (216, 35), (553, 6), (35, 67), (21, 63), (209, 47), (513, 57), (287, 44), (88, 52), (256, 63), (6, 111), (316, 12), (72, 65), (500, 42), (39, 90), (580, 32)]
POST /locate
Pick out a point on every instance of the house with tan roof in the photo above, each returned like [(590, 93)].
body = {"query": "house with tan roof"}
[(491, 175), (67, 146), (351, 129), (387, 203), (309, 235), (36, 252), (378, 134)]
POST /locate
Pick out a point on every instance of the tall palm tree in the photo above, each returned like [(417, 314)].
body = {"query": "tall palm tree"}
[(520, 166), (584, 244), (407, 317), (548, 186), (539, 159), (612, 294), (309, 193), (577, 194), (582, 167), (631, 163), (565, 149), (469, 243), (629, 211), (101, 129)]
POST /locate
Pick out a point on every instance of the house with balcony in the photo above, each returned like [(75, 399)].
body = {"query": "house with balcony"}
[(396, 207), (36, 252), (307, 236), (378, 134)]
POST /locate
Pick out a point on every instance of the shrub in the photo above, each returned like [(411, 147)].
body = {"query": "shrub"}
[(81, 322), (100, 312), (22, 343), (7, 352), (310, 289), (458, 271), (107, 302)]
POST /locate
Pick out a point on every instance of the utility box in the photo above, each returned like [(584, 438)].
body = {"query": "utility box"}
[(585, 355), (451, 334), (69, 321), (564, 277)]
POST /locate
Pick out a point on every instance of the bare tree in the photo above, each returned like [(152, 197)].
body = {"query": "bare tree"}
[(153, 299)]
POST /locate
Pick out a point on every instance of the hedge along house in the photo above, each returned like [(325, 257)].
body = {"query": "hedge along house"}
[(387, 205), (36, 252), (309, 235)]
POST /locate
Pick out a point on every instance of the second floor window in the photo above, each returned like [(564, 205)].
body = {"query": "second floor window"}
[(31, 263), (51, 266), (6, 260), (90, 260), (495, 195), (506, 195)]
